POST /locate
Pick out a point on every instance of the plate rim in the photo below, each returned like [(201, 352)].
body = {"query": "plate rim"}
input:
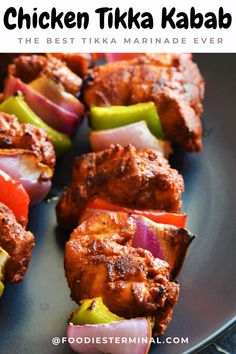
[(213, 337)]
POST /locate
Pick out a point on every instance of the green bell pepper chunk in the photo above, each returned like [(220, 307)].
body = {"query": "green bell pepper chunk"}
[(1, 288), (93, 311), (116, 116), (16, 105)]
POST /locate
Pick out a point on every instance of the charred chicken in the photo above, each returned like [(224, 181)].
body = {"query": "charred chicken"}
[(172, 81), (141, 179), (17, 242), (100, 261), (26, 136)]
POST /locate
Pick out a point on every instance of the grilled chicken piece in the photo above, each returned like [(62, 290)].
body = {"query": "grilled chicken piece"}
[(26, 136), (99, 261), (172, 241), (172, 81), (79, 63), (29, 67), (139, 179), (17, 242)]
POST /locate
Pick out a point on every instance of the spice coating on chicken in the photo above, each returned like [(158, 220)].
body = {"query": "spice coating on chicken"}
[(99, 261), (26, 136), (172, 81), (173, 241), (30, 67), (79, 63), (138, 179), (17, 242)]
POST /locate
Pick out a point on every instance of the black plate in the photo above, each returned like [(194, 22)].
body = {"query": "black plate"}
[(35, 311)]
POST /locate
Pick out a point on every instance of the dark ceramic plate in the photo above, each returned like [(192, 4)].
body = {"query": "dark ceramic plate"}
[(35, 311)]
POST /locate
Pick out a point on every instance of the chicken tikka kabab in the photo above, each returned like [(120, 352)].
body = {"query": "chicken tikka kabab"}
[(123, 205)]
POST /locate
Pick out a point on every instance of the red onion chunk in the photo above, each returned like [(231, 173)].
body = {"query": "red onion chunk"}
[(56, 93), (146, 238), (23, 166), (137, 134), (138, 329), (54, 115), (167, 242)]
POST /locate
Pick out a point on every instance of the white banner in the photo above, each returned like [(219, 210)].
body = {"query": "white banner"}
[(118, 26)]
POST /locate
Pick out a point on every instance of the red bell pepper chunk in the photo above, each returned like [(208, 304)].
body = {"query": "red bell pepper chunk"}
[(13, 195), (121, 56), (115, 56), (160, 217), (97, 56)]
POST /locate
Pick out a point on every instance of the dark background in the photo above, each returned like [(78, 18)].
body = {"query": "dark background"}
[(226, 343)]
